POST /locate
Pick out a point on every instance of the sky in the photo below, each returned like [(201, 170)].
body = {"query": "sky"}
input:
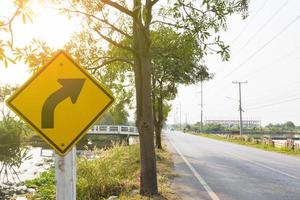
[(48, 26), (264, 51)]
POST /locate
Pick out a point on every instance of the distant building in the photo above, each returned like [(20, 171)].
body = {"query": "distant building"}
[(235, 123)]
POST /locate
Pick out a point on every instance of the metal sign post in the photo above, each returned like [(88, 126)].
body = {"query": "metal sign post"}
[(65, 173)]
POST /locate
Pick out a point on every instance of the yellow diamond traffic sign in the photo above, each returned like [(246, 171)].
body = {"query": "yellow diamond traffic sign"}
[(61, 102)]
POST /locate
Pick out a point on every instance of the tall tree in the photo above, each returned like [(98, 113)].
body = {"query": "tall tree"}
[(115, 20), (112, 21), (176, 60)]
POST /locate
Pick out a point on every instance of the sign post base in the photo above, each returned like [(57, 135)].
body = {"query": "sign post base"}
[(65, 173)]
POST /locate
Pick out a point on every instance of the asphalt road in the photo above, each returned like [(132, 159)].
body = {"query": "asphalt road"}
[(210, 169)]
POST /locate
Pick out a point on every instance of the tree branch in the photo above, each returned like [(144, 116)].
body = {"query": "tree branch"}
[(154, 2), (11, 36), (125, 60), (117, 29), (194, 8), (118, 7), (148, 13), (9, 24), (114, 42), (169, 24), (12, 18), (105, 21)]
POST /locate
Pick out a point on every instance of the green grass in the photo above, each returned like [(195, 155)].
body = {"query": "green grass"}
[(115, 173), (164, 176), (251, 144), (44, 184), (110, 175)]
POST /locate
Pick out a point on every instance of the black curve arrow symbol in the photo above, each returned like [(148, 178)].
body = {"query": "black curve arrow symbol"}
[(70, 88)]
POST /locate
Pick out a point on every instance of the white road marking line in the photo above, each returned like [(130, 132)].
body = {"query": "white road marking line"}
[(208, 189), (264, 166)]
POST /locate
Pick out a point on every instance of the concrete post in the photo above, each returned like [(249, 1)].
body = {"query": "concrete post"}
[(65, 173)]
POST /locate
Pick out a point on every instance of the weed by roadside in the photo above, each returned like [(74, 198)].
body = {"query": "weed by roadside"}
[(165, 175), (44, 185), (115, 173), (248, 141)]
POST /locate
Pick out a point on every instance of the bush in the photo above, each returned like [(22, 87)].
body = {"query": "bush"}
[(110, 175), (12, 152), (44, 185)]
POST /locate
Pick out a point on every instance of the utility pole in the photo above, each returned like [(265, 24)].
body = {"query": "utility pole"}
[(174, 117), (240, 103), (201, 93), (186, 119), (180, 114)]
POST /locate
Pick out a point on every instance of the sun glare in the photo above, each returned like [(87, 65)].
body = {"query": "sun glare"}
[(47, 25)]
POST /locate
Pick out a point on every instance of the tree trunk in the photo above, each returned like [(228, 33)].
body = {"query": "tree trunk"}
[(158, 136), (159, 124), (156, 118), (144, 121)]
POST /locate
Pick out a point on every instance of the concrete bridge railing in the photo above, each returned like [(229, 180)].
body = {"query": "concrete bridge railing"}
[(113, 130)]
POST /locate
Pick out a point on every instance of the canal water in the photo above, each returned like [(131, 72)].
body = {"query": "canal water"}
[(40, 157)]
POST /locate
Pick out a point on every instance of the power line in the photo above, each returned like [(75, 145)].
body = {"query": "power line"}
[(263, 67), (246, 26), (263, 46), (258, 50), (264, 25), (290, 96), (266, 66), (272, 104)]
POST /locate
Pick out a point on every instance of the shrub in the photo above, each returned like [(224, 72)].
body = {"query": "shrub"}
[(108, 175), (113, 173), (44, 185)]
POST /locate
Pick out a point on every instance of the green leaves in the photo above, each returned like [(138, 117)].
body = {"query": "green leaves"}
[(12, 153), (205, 20), (27, 14), (176, 60), (6, 28), (36, 54), (176, 57), (3, 56)]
